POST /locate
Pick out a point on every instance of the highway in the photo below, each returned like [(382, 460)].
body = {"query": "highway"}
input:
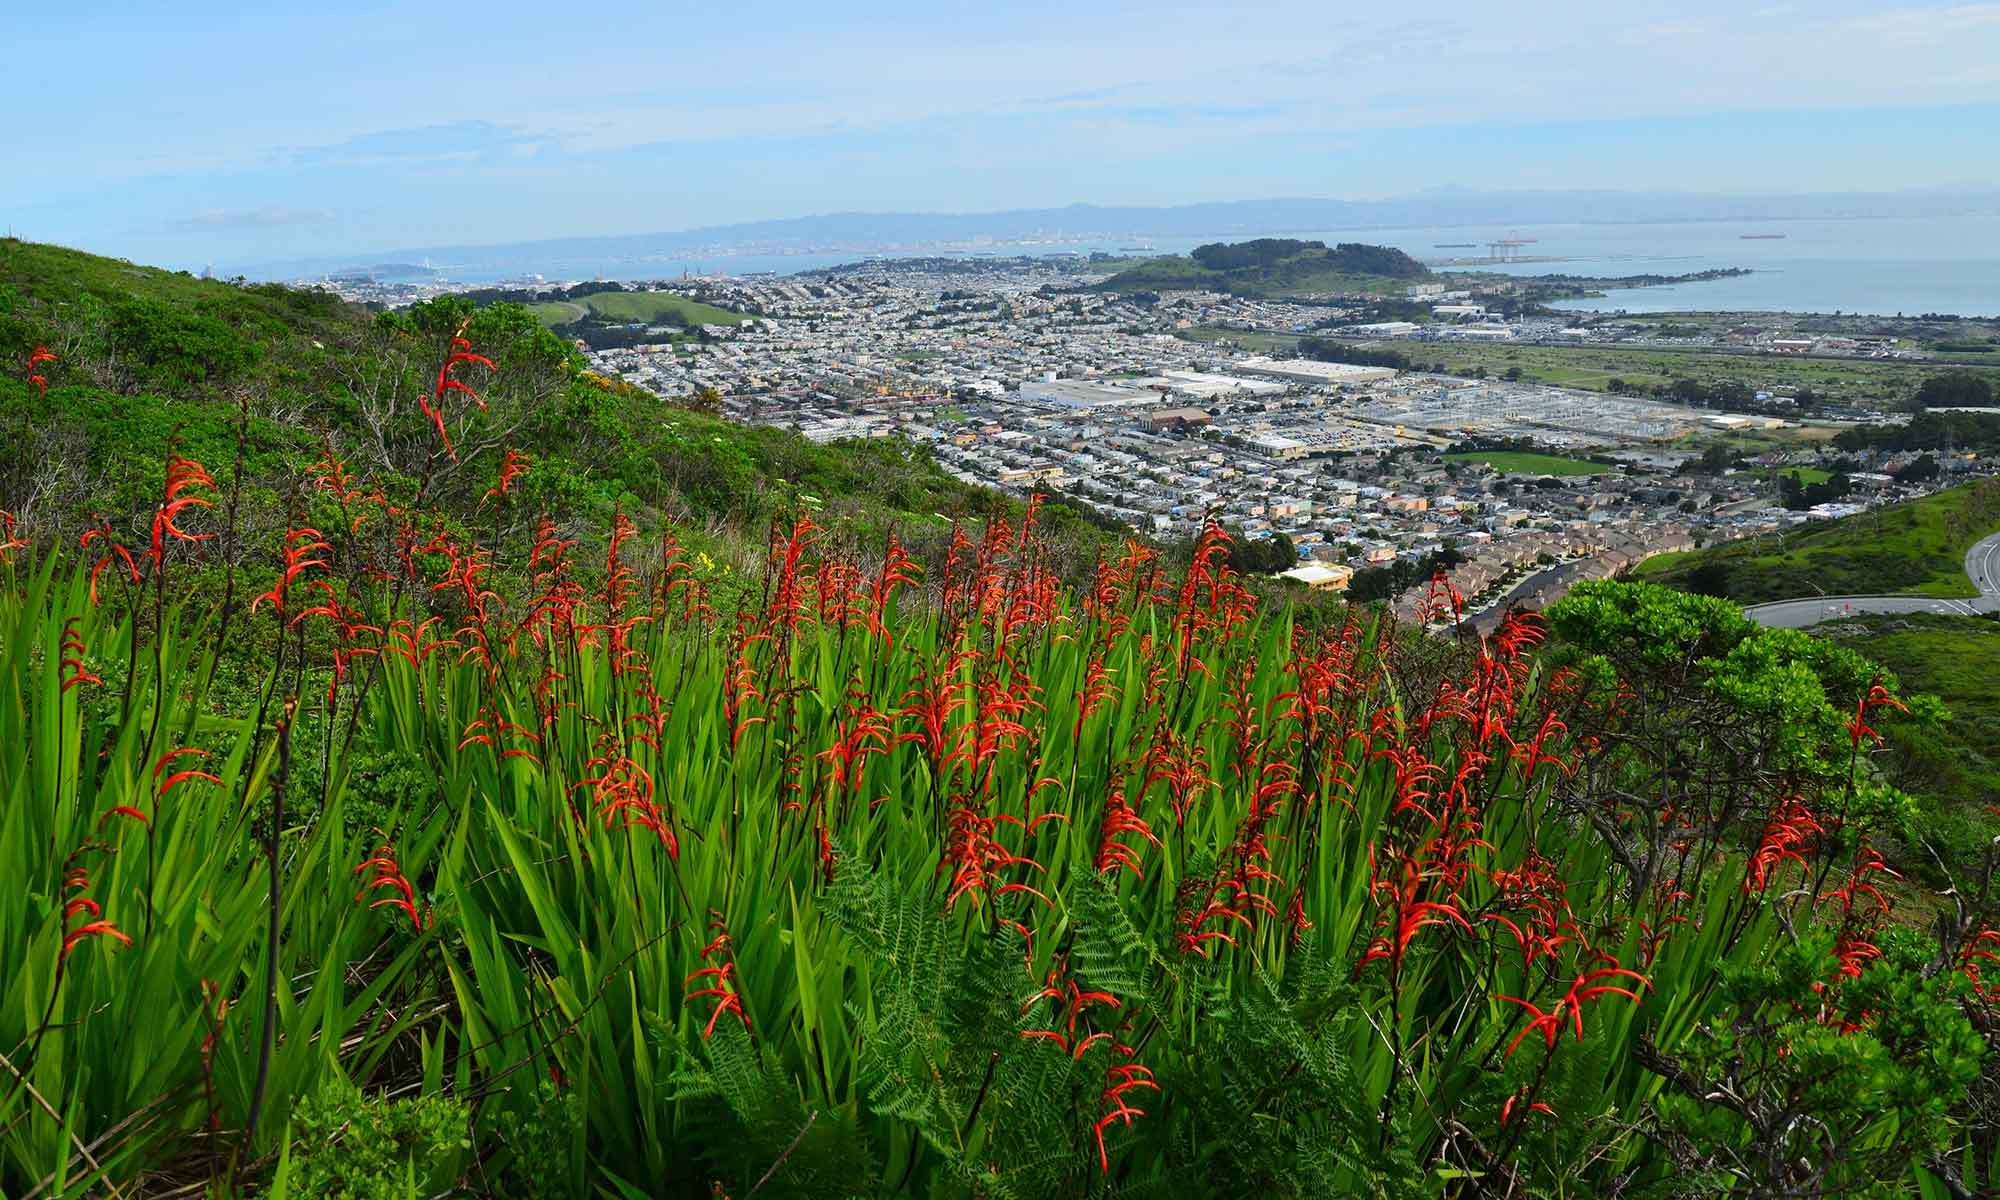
[(1982, 566)]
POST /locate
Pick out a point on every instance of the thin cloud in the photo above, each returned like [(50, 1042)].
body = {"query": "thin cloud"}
[(268, 216)]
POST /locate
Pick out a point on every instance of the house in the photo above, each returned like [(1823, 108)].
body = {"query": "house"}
[(1320, 577)]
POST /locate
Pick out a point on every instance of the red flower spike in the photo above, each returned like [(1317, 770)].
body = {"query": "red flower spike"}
[(723, 987), (36, 357), (76, 879), (70, 660), (300, 544), (384, 874), (433, 406)]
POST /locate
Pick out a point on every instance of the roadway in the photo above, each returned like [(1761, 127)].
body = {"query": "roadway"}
[(1982, 567)]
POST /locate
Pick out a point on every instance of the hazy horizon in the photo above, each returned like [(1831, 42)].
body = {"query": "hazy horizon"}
[(210, 134)]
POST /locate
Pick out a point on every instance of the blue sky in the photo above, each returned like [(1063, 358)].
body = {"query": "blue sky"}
[(216, 132)]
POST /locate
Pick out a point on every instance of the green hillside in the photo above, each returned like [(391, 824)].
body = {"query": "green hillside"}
[(650, 307), (1957, 659), (258, 382), (1274, 267), (1916, 548)]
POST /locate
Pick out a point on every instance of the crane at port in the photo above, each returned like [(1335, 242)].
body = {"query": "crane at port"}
[(1506, 248)]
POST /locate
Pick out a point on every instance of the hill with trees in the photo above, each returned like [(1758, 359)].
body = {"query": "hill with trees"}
[(1273, 267)]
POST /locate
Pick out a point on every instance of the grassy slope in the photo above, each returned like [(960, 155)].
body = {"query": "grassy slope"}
[(148, 356), (635, 306), (1954, 769), (1513, 461), (1917, 548), (1957, 659), (653, 306), (559, 312)]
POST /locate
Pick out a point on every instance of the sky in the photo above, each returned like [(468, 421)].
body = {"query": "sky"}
[(211, 132)]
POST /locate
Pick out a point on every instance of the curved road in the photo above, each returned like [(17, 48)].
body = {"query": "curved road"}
[(1982, 566)]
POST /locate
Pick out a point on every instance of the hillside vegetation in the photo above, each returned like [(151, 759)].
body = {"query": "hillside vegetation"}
[(965, 886), (1916, 548), (1956, 659), (1518, 462), (651, 307), (397, 802), (1273, 267), (261, 382)]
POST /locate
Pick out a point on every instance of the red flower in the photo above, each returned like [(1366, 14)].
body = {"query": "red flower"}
[(512, 466), (1071, 1004), (299, 545), (112, 550), (1550, 1023), (1877, 696), (1569, 1010), (95, 926), (72, 657), (433, 406), (1120, 819), (1118, 1080), (1785, 837), (182, 474), (36, 357), (386, 875), (1507, 1109), (722, 976)]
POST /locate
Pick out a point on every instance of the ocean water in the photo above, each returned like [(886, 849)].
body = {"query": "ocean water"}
[(1877, 265)]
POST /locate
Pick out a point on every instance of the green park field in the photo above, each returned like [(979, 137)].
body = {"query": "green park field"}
[(636, 306), (1516, 462)]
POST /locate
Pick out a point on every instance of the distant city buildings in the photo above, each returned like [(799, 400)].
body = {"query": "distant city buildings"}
[(1014, 376)]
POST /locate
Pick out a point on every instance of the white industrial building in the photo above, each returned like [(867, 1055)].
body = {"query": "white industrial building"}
[(1206, 386), (1306, 370), (1077, 393), (1279, 447)]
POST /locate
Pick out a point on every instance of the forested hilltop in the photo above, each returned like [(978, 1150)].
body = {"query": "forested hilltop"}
[(1273, 267), (539, 852)]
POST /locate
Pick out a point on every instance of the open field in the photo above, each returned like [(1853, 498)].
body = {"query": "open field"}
[(1594, 367), (1917, 548), (1515, 462), (559, 312), (1809, 475), (636, 306)]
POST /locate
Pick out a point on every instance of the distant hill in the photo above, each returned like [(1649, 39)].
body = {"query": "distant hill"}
[(652, 307), (861, 232), (1273, 267)]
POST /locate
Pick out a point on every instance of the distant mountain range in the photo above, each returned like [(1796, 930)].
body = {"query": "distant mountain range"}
[(870, 233)]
